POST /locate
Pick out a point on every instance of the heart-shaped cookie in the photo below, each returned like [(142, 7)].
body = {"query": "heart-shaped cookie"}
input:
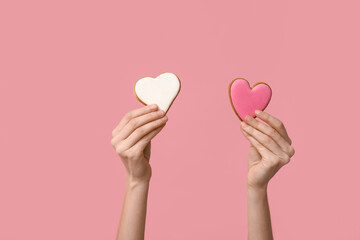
[(245, 99), (161, 90)]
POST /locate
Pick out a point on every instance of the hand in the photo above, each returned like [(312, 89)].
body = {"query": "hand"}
[(270, 148), (131, 140)]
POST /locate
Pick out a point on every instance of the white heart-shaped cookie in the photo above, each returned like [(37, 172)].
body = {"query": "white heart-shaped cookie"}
[(161, 90)]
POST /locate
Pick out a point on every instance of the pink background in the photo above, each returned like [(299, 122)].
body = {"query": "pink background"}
[(67, 72)]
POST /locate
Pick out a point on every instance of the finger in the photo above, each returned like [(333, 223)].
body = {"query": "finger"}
[(254, 155), (263, 139), (142, 131), (267, 156), (133, 114), (244, 133), (271, 132), (137, 122), (263, 151), (275, 123), (142, 143), (147, 151)]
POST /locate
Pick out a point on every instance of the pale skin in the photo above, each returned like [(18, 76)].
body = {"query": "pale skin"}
[(131, 140), (270, 149)]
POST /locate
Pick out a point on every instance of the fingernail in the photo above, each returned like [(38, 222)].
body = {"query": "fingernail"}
[(248, 118), (165, 118), (257, 112), (161, 112), (153, 107), (243, 124)]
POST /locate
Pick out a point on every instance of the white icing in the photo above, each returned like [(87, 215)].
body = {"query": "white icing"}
[(161, 90)]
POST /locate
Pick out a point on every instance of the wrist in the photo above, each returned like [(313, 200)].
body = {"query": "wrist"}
[(253, 189), (256, 195), (134, 183)]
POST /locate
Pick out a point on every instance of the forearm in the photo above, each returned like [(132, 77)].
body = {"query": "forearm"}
[(133, 216), (259, 221)]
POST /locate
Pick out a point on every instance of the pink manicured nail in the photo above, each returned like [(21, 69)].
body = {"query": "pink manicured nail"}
[(257, 112)]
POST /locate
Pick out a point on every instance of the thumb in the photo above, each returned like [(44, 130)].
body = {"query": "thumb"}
[(254, 155), (147, 151)]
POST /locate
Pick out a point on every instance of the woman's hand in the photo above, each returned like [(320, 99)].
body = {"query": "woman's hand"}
[(131, 140), (270, 148)]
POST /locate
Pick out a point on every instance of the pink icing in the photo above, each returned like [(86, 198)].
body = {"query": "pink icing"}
[(246, 100)]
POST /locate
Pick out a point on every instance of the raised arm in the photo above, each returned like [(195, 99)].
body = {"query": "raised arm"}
[(270, 149), (131, 140)]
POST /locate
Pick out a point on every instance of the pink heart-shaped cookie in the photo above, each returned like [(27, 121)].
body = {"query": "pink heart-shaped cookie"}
[(245, 99)]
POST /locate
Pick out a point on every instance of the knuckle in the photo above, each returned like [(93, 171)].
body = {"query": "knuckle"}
[(131, 155), (274, 161), (112, 141), (140, 131), (133, 122), (273, 132), (164, 119), (120, 151), (279, 124), (147, 138), (267, 140), (291, 151), (286, 159), (128, 116)]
